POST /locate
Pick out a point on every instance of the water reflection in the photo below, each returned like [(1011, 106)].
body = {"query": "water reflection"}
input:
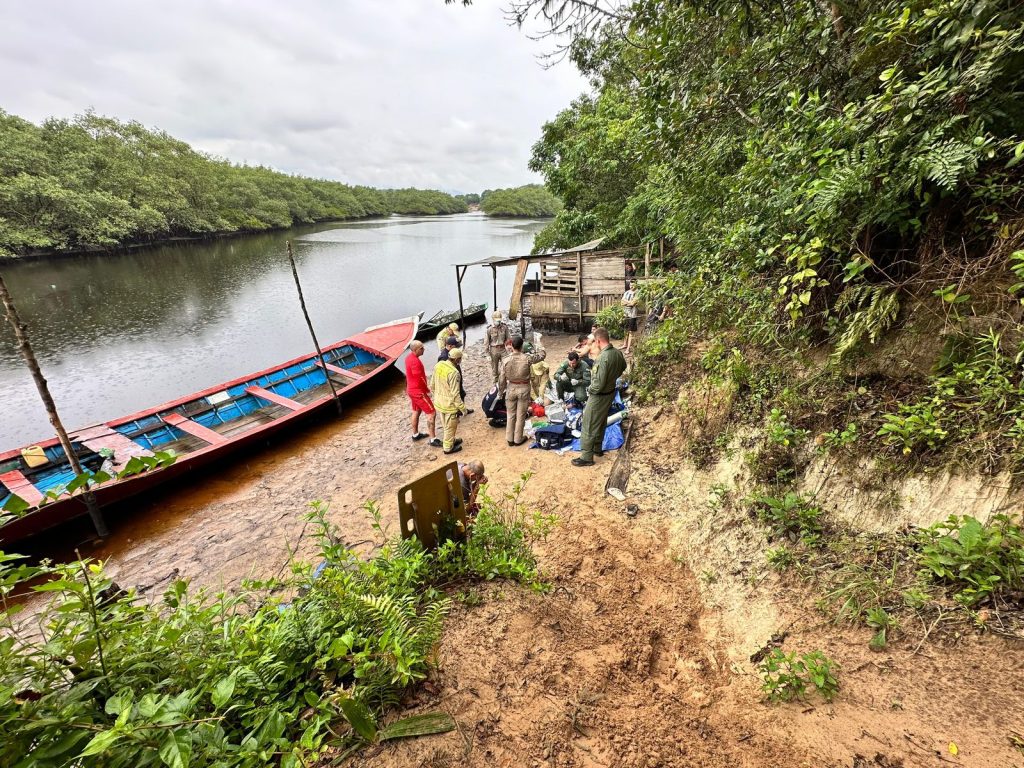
[(115, 334)]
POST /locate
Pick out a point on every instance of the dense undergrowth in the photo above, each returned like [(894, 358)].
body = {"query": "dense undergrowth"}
[(281, 671), (95, 182), (840, 188)]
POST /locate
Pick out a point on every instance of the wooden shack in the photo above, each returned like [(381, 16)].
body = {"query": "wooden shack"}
[(570, 288), (566, 289)]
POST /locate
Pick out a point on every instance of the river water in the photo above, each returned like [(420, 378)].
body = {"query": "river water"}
[(117, 333)]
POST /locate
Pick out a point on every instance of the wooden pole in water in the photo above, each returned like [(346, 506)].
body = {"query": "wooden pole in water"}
[(21, 333), (309, 324)]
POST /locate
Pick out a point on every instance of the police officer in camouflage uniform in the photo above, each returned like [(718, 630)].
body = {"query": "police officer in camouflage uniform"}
[(514, 386), (609, 366), (497, 335)]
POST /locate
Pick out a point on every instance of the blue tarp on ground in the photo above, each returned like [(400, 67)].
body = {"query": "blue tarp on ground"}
[(613, 436), (613, 439)]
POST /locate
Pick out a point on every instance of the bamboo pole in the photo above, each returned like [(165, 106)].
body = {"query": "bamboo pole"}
[(21, 333), (309, 324)]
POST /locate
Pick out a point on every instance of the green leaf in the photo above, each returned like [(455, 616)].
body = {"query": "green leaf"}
[(176, 749), (360, 718), (100, 743), (224, 689), (15, 505), (418, 725), (133, 467), (970, 533), (117, 703)]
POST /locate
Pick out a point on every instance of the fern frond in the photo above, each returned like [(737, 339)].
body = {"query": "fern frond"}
[(875, 308)]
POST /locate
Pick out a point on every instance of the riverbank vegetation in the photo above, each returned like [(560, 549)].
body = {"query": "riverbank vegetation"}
[(841, 190), (94, 183), (283, 671), (529, 201)]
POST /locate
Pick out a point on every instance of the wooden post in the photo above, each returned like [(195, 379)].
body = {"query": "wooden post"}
[(21, 333), (309, 324), (515, 301), (460, 272), (579, 287), (494, 277), (647, 260)]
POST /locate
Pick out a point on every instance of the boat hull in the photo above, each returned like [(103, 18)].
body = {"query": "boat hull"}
[(429, 328), (388, 341)]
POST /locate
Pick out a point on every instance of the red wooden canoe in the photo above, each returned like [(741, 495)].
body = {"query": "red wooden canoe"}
[(199, 429)]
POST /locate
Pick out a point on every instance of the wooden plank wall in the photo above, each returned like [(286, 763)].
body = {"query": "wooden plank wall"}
[(601, 274), (558, 276), (547, 305), (604, 274)]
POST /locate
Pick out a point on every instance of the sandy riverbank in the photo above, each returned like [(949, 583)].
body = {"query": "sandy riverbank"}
[(243, 521)]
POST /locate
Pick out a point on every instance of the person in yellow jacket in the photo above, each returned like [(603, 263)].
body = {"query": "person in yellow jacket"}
[(448, 398), (452, 329)]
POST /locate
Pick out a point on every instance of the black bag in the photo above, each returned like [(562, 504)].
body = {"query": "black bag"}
[(494, 408), (552, 436)]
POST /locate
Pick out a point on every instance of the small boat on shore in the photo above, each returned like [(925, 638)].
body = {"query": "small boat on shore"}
[(474, 313), (140, 451)]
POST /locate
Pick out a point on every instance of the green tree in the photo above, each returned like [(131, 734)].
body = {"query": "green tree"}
[(95, 182), (532, 200)]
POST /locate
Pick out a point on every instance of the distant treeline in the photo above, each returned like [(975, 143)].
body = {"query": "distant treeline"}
[(95, 182), (529, 200)]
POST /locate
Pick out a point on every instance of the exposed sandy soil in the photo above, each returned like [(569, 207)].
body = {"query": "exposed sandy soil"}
[(632, 660)]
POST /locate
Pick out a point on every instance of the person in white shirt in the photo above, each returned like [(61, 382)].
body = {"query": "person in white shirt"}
[(629, 302)]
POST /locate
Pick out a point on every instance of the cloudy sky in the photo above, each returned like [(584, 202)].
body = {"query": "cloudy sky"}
[(380, 92)]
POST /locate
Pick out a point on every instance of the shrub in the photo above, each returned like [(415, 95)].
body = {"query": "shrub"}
[(787, 676), (781, 432), (977, 560), (883, 623), (779, 558), (915, 426), (613, 319), (792, 517), (271, 674)]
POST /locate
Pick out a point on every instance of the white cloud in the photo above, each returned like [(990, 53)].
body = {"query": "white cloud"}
[(395, 93)]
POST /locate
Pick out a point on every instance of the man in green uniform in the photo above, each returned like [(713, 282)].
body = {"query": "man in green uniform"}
[(609, 366), (497, 335), (514, 386), (573, 376)]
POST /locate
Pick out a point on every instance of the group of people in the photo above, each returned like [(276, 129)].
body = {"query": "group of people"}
[(443, 394), (589, 373)]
